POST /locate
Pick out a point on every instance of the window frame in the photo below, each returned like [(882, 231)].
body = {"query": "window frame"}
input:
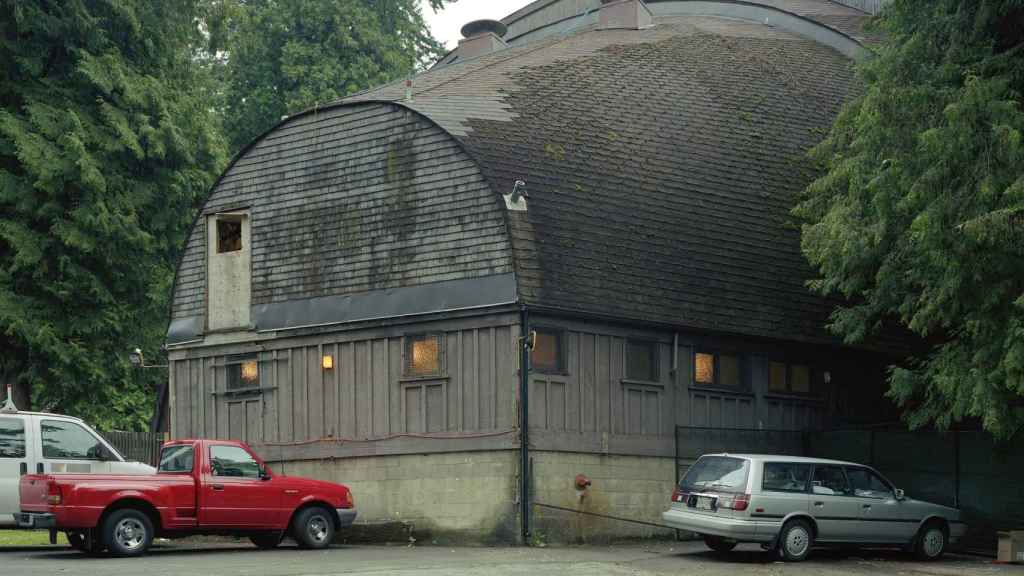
[(842, 468), (238, 360), (259, 463), (814, 378), (655, 354), (869, 470), (560, 363), (189, 471), (113, 456), (236, 218), (24, 438), (743, 386), (442, 354), (807, 483)]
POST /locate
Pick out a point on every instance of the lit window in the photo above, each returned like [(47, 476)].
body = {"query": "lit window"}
[(423, 355), (642, 360), (546, 355), (243, 372), (229, 235), (704, 372)]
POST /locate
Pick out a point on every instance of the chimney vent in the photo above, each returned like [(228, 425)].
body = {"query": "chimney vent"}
[(481, 37), (624, 14)]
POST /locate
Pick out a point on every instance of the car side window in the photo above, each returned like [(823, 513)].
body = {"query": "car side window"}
[(830, 481), (69, 441), (12, 438), (866, 484), (785, 476), (176, 459), (232, 461)]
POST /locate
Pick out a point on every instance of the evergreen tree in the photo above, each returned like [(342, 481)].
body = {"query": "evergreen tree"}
[(108, 143), (919, 216), (284, 56)]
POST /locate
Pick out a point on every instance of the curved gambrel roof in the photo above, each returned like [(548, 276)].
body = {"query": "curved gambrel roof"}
[(661, 164)]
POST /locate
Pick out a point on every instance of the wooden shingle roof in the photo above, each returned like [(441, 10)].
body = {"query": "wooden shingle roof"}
[(661, 165)]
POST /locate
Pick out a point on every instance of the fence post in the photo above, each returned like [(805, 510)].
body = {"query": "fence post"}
[(871, 450), (956, 468)]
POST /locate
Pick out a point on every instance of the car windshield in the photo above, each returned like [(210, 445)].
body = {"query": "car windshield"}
[(717, 473)]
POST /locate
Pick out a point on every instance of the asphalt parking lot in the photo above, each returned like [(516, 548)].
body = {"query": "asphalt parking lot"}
[(189, 559)]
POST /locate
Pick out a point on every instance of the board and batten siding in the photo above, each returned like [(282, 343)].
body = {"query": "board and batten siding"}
[(347, 200), (365, 396), (591, 406)]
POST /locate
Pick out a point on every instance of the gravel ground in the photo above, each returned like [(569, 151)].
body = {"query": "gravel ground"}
[(192, 559)]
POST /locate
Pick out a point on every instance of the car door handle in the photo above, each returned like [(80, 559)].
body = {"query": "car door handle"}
[(866, 506), (217, 487), (819, 504), (24, 468)]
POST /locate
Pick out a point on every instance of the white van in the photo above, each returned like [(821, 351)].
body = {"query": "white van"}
[(40, 443)]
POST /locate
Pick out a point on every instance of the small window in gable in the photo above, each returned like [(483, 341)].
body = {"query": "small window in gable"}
[(642, 360), (546, 355), (423, 355), (229, 234)]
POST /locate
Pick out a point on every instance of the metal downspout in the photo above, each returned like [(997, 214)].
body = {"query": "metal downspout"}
[(524, 425)]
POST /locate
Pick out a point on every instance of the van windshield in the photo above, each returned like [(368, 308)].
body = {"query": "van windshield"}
[(716, 473)]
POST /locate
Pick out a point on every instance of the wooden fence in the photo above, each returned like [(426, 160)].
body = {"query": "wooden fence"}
[(138, 446)]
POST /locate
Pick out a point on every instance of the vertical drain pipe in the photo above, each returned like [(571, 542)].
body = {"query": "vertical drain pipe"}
[(524, 425)]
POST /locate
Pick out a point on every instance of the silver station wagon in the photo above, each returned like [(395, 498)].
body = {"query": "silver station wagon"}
[(791, 504)]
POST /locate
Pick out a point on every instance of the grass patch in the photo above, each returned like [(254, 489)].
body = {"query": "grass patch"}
[(28, 538)]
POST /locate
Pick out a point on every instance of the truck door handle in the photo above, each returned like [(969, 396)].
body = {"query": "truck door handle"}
[(39, 467), (217, 487), (24, 468)]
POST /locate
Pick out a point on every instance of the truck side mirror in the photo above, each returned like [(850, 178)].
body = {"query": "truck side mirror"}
[(264, 473)]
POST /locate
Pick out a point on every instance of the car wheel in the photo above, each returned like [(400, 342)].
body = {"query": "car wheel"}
[(127, 532), (719, 544), (266, 541), (314, 528), (931, 542), (795, 540)]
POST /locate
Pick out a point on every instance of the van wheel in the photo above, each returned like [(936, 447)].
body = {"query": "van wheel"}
[(795, 540), (127, 532), (719, 544), (931, 542), (267, 540), (314, 528)]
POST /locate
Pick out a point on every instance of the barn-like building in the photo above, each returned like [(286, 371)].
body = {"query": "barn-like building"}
[(599, 192)]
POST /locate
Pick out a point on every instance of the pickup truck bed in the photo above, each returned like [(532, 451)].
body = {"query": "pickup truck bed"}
[(202, 486)]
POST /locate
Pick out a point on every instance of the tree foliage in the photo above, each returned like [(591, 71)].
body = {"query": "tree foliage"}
[(107, 145), (918, 217), (284, 56)]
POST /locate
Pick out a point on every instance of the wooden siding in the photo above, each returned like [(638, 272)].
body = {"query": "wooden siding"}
[(365, 396), (352, 199)]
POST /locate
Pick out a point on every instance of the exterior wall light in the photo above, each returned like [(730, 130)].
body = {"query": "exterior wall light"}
[(328, 362), (138, 360)]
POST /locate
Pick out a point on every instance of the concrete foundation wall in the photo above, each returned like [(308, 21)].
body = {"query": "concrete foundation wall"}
[(627, 487), (456, 497)]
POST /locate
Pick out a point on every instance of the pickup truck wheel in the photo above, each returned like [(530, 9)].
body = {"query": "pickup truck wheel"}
[(314, 528), (127, 532), (267, 540)]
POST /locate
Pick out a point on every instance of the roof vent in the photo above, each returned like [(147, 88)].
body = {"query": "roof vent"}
[(624, 14), (481, 37)]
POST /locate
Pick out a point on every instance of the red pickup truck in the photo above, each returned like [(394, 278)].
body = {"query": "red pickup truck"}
[(201, 487)]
